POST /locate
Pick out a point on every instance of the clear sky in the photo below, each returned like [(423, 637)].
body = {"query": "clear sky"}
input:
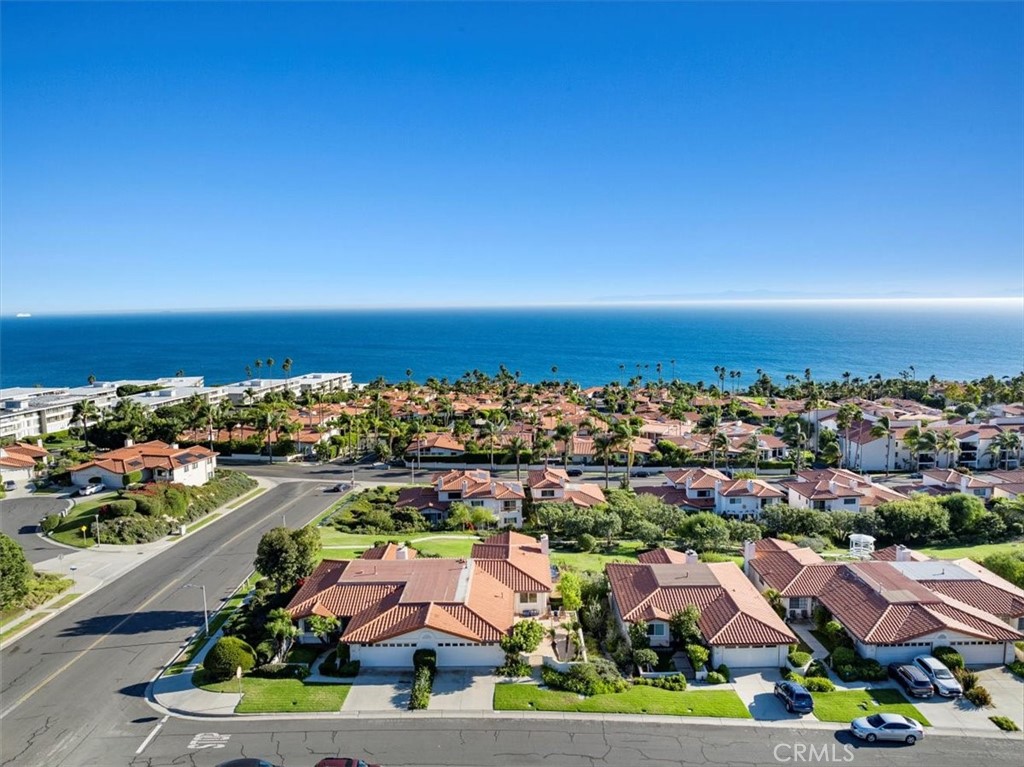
[(158, 155)]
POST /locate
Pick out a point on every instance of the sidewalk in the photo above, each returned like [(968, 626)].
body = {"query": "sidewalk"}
[(93, 568), (176, 693)]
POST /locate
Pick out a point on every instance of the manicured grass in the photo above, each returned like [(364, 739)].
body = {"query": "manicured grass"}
[(64, 600), (444, 548), (301, 653), (275, 696), (978, 552), (636, 700), (847, 705), (21, 625), (329, 536), (594, 561), (203, 521), (217, 620), (69, 530)]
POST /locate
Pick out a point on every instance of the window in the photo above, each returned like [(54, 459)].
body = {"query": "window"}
[(703, 493), (476, 504), (798, 603), (655, 629), (528, 599), (849, 501), (508, 506), (734, 501), (454, 495), (547, 493)]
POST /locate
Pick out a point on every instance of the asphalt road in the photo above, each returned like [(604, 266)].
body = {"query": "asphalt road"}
[(19, 518), (556, 743), (72, 691)]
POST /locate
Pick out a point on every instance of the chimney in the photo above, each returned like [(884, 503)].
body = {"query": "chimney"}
[(129, 442), (688, 481), (39, 443), (465, 485), (544, 544), (748, 554), (174, 445), (832, 486), (963, 483), (750, 485), (402, 552), (718, 486), (902, 553), (691, 557)]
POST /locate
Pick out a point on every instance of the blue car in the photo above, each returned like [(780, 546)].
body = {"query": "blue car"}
[(795, 696)]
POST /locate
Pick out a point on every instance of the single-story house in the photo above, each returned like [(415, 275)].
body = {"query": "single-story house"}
[(392, 603), (18, 462), (738, 625), (155, 461)]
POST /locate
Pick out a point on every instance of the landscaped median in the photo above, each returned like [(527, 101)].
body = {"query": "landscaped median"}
[(514, 696)]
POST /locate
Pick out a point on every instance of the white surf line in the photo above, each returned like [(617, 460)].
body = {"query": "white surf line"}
[(149, 738)]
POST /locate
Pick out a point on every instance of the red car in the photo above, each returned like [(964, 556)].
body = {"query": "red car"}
[(343, 761)]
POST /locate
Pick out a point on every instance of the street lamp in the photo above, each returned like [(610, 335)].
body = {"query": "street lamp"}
[(206, 614)]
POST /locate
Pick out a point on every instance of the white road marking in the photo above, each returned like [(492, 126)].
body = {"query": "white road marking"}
[(208, 740), (149, 738)]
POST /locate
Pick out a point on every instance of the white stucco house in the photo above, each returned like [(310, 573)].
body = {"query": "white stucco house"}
[(155, 461)]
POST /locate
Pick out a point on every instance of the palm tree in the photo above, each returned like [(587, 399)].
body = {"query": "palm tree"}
[(271, 420), (848, 413), (286, 367), (1003, 448), (928, 442), (493, 428), (948, 443), (259, 366), (624, 431), (270, 364), (564, 432), (752, 448), (83, 411), (517, 446), (883, 428), (604, 449), (912, 442), (719, 442)]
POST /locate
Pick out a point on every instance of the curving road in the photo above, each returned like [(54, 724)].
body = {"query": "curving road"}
[(19, 518)]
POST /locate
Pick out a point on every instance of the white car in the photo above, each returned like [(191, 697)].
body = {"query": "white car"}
[(942, 678), (887, 727), (90, 489)]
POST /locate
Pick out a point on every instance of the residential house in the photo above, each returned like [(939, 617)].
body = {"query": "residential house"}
[(473, 487), (896, 608), (553, 484), (155, 461), (439, 443), (738, 625), (392, 603), (711, 490), (835, 490), (18, 462), (953, 481)]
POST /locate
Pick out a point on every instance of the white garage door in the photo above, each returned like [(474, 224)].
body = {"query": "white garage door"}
[(385, 657), (980, 654), (468, 657), (748, 657)]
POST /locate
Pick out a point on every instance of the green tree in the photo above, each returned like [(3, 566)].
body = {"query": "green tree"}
[(964, 510), (920, 520), (638, 637), (1008, 565), (525, 637), (82, 412), (481, 518), (459, 517), (307, 546), (683, 625), (227, 655), (280, 628), (883, 428), (703, 532), (570, 585), (15, 573), (278, 558)]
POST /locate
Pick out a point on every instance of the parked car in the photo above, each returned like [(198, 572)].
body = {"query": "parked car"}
[(641, 473), (90, 489), (247, 763), (342, 761), (574, 472), (795, 696), (10, 485), (912, 679), (380, 465), (942, 678), (341, 487), (887, 727)]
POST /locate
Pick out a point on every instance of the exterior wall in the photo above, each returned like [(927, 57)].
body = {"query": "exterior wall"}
[(21, 476), (524, 605), (772, 656), (975, 651), (109, 479), (193, 474), (745, 504), (452, 651), (664, 639)]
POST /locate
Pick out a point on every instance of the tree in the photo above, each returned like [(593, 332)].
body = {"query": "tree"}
[(228, 654), (703, 532), (278, 558), (15, 573), (571, 588), (307, 546), (683, 625), (947, 442), (919, 520), (963, 510), (517, 447), (279, 627), (645, 658), (322, 625), (480, 517), (459, 517), (883, 428), (525, 637), (286, 367), (84, 411), (1008, 565), (604, 449), (638, 636)]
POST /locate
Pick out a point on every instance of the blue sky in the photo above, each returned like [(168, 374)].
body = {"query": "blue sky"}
[(159, 155)]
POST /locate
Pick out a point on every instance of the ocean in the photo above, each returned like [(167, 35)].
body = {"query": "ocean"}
[(587, 345)]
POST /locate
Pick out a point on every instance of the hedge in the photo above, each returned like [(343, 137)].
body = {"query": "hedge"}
[(425, 663), (949, 657), (715, 678), (227, 655), (799, 659)]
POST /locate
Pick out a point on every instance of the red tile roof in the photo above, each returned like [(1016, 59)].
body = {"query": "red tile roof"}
[(147, 455)]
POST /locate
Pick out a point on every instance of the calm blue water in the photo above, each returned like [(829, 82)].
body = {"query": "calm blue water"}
[(587, 345)]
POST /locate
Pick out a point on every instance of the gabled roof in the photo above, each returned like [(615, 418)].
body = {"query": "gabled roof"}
[(147, 455), (731, 610), (888, 554), (547, 478), (515, 560), (700, 479)]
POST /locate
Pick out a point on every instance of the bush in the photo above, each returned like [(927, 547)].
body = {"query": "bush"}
[(968, 679), (698, 655), (595, 678), (1004, 723), (674, 683), (1016, 668), (846, 672), (586, 542), (979, 696), (425, 658), (821, 617), (816, 669), (421, 686), (133, 529), (349, 668), (950, 657), (724, 671), (334, 665), (227, 655), (715, 678), (799, 659), (834, 630), (280, 671), (514, 667), (645, 657), (265, 650), (120, 508), (49, 523), (818, 684), (843, 656), (871, 670)]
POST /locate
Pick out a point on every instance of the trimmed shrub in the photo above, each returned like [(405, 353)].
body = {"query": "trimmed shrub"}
[(120, 508), (698, 655), (724, 671), (514, 667), (821, 617), (843, 656), (49, 523), (280, 671), (818, 684), (674, 683), (871, 670), (645, 657), (979, 696), (265, 650), (1004, 723), (846, 672), (799, 659), (816, 669), (715, 678), (349, 668), (421, 686), (586, 542), (228, 654), (949, 657), (425, 658)]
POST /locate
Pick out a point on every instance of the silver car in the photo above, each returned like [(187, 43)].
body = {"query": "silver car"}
[(942, 679), (887, 727)]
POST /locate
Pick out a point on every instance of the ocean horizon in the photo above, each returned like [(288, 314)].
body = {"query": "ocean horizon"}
[(953, 338)]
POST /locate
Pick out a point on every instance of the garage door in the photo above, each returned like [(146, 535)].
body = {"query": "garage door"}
[(384, 657), (979, 654), (748, 657), (468, 657)]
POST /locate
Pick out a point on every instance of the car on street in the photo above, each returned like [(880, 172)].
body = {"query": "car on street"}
[(942, 678), (574, 472), (342, 761), (887, 727), (641, 473), (10, 485), (380, 465), (341, 487), (912, 679), (90, 489), (795, 696), (247, 763)]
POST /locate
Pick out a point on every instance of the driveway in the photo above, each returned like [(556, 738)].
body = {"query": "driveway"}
[(463, 690), (756, 690), (380, 691)]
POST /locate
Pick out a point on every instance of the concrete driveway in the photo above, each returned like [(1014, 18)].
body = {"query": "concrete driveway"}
[(463, 690), (381, 690), (756, 688)]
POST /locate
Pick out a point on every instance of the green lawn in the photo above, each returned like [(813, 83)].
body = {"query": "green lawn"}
[(847, 705), (64, 600), (275, 696), (636, 700), (69, 531), (594, 561), (301, 653), (974, 552), (18, 626), (203, 521)]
